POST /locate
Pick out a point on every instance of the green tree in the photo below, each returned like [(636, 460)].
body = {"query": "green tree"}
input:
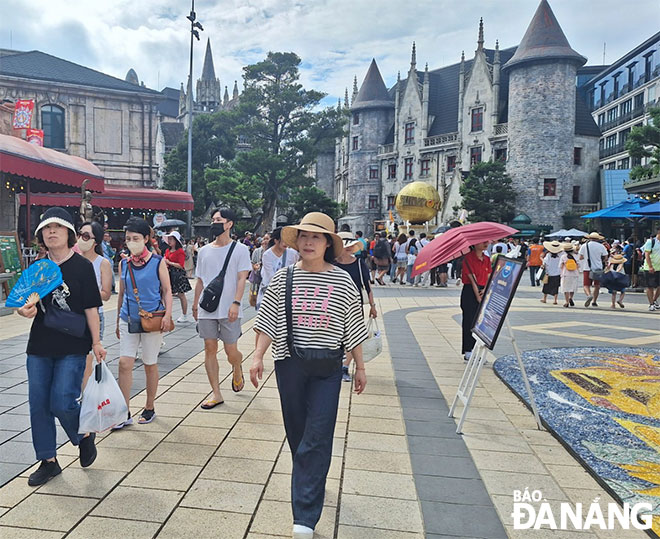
[(644, 141), (310, 198), (487, 193), (234, 189), (281, 121), (213, 140)]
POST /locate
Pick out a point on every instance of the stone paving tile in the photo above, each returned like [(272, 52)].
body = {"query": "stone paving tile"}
[(360, 532), (117, 459), (84, 483), (209, 418), (177, 453), (459, 520), (197, 435), (223, 496), (377, 442), (378, 461), (380, 412), (388, 513), (138, 504), (386, 485), (243, 470), (506, 482), (157, 475), (16, 422), (201, 524), (9, 471), (507, 462), (251, 449), (258, 431), (275, 518), (383, 426), (17, 452), (133, 437), (25, 533), (444, 466), (47, 512), (104, 528), (430, 445)]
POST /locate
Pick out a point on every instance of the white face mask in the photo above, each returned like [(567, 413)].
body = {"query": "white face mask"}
[(85, 245), (135, 247)]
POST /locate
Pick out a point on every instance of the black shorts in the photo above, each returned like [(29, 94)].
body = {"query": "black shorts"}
[(648, 279)]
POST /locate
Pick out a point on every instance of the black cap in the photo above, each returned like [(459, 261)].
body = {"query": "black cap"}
[(56, 215)]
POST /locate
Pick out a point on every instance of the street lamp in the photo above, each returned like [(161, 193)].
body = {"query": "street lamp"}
[(194, 27)]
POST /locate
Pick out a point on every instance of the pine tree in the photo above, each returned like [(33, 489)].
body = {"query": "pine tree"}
[(488, 194), (644, 141)]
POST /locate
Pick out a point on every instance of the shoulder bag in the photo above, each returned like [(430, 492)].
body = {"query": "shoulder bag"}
[(213, 291), (148, 322), (318, 362), (594, 275), (67, 322)]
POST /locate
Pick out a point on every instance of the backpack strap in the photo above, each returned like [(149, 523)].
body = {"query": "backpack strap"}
[(288, 293)]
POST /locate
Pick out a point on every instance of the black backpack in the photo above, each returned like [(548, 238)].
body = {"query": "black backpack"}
[(382, 249)]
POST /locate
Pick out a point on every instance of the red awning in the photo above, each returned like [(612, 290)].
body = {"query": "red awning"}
[(116, 197), (24, 159)]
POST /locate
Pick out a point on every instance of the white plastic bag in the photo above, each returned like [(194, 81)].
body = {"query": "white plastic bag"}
[(373, 346), (103, 404)]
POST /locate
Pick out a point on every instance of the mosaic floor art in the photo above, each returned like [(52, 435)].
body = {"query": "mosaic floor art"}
[(604, 403)]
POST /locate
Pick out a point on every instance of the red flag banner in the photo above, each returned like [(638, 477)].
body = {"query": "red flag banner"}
[(35, 136), (23, 113)]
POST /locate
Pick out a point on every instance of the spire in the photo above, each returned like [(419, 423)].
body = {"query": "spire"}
[(355, 89), (225, 99), (544, 40), (373, 92), (413, 58), (426, 73), (208, 71), (346, 105), (462, 68), (480, 41), (496, 59), (234, 94)]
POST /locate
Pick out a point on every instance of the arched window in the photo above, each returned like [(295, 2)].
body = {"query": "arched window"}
[(52, 123)]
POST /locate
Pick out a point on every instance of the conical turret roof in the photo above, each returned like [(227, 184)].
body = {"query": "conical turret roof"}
[(544, 40), (208, 71), (373, 92)]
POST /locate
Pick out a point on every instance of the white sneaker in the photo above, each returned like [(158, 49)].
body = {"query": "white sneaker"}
[(302, 532), (183, 319), (657, 304), (652, 307)]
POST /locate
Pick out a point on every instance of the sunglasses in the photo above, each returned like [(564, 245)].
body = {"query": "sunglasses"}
[(86, 236)]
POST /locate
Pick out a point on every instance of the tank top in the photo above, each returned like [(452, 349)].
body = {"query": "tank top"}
[(148, 285), (97, 272)]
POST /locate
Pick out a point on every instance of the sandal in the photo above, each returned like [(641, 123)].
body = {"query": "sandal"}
[(238, 387), (147, 416), (621, 304), (210, 403)]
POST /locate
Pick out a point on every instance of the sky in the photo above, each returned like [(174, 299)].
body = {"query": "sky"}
[(336, 39)]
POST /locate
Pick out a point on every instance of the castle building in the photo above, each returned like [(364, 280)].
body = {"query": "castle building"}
[(518, 105)]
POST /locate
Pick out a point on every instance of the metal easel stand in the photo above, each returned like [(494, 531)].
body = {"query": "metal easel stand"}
[(523, 372), (469, 381)]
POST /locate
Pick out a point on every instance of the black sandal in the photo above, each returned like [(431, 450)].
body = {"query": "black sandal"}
[(147, 416)]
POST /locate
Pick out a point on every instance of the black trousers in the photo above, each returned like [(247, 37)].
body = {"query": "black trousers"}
[(309, 407), (469, 306)]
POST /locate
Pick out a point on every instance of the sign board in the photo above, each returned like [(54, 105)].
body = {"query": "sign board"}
[(497, 298), (11, 259)]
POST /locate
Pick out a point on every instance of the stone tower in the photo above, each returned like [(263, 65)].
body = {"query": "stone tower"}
[(541, 119), (372, 114), (209, 90)]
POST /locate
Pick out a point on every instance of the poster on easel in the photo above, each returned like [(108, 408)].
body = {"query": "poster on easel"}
[(497, 298), (11, 260)]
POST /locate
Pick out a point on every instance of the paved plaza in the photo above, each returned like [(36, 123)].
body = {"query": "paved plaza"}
[(398, 471)]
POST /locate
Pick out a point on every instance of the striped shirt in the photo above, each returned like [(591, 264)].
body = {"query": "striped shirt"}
[(326, 311)]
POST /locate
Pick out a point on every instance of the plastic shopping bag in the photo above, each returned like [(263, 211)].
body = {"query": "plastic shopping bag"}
[(373, 346), (103, 404)]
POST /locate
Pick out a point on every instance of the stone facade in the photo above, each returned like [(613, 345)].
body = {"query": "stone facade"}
[(439, 123)]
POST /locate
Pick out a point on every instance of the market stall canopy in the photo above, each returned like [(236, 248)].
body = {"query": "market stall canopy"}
[(623, 210), (118, 197), (650, 210), (570, 233), (29, 160)]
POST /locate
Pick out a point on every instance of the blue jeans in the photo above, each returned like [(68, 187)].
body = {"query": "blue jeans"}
[(309, 408), (54, 387)]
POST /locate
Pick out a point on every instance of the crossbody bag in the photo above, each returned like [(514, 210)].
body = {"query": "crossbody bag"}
[(319, 362), (213, 291), (148, 321), (594, 275)]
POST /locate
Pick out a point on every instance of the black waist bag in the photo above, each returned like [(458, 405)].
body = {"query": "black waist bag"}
[(319, 362), (67, 322), (211, 295)]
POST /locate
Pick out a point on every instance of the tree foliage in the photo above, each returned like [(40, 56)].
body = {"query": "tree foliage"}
[(310, 198), (213, 140), (644, 141), (488, 194)]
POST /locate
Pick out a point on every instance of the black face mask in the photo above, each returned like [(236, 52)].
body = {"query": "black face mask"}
[(217, 229)]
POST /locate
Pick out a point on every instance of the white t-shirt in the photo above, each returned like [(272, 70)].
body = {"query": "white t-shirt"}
[(504, 246), (551, 264), (210, 260), (596, 253), (270, 263)]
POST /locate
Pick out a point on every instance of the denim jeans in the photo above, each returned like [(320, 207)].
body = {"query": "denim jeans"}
[(309, 408), (532, 275), (54, 387)]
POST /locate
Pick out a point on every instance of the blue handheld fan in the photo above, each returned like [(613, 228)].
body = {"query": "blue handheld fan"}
[(35, 283)]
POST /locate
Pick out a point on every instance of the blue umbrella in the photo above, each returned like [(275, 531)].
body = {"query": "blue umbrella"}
[(650, 210), (623, 210)]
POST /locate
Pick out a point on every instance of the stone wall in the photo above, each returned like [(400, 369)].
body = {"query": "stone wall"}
[(541, 136), (585, 175), (325, 173)]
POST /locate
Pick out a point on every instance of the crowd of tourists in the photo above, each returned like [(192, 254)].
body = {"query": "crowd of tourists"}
[(305, 280)]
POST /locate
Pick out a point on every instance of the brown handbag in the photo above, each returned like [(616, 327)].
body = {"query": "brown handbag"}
[(150, 321)]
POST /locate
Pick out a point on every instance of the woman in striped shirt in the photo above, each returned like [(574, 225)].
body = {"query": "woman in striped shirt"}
[(326, 314)]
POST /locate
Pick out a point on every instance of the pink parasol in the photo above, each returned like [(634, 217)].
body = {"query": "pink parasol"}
[(456, 242)]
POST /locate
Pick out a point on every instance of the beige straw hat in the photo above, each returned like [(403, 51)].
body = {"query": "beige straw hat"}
[(595, 236), (313, 222), (553, 246), (350, 242)]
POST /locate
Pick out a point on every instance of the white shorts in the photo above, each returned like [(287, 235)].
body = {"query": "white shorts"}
[(129, 343)]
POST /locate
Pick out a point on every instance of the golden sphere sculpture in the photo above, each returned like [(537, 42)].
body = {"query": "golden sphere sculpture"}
[(418, 202)]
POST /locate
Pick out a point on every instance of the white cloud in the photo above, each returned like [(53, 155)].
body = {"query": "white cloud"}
[(336, 39)]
